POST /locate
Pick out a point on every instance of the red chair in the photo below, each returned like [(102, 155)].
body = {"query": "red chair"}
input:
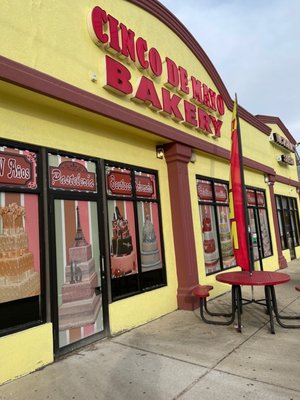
[(202, 292)]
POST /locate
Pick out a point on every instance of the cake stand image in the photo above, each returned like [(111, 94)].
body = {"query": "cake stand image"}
[(80, 303), (18, 279)]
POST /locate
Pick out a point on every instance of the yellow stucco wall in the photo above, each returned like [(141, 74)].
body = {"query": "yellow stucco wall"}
[(25, 352), (56, 40), (52, 37), (64, 127)]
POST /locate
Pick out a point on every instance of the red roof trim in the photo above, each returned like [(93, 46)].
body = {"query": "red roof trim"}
[(267, 119)]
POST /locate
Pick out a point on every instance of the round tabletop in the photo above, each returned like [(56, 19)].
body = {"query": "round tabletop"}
[(257, 278)]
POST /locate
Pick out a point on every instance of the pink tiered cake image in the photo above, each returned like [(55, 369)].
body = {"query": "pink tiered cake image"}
[(18, 279), (123, 260), (226, 242), (211, 255), (150, 256), (80, 304)]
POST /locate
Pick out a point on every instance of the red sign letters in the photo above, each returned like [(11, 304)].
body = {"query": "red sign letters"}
[(18, 169), (119, 183), (72, 176), (184, 98)]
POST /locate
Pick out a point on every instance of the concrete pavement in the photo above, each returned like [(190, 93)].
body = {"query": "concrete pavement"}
[(180, 357)]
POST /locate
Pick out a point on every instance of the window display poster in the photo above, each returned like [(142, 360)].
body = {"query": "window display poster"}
[(78, 270), (149, 235), (204, 190), (19, 246), (145, 185), (253, 234), (123, 256), (118, 182), (225, 237), (209, 237), (265, 234), (71, 174), (18, 168)]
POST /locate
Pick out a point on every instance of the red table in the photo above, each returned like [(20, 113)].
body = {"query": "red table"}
[(257, 278), (267, 279)]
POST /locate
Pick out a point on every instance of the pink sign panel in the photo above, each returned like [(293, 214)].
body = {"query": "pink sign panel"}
[(71, 175), (119, 183), (221, 192), (18, 170), (204, 190), (144, 186), (251, 198)]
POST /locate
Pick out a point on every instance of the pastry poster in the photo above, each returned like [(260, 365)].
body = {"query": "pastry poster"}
[(78, 270), (149, 235), (19, 246), (265, 234), (225, 237), (209, 237), (122, 234), (71, 174)]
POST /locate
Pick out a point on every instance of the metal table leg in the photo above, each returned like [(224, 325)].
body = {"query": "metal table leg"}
[(269, 307), (277, 315), (238, 305)]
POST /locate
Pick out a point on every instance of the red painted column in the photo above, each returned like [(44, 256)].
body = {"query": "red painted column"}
[(177, 157), (281, 259)]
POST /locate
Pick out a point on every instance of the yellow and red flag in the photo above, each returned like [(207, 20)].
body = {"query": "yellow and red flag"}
[(237, 197)]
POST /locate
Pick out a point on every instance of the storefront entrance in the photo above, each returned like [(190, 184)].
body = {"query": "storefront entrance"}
[(288, 219), (259, 226), (78, 275)]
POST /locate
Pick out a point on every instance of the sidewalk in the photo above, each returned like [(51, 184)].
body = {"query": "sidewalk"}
[(180, 357)]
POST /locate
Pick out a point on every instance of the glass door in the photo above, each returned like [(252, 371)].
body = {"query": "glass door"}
[(78, 271), (261, 245), (79, 304), (289, 233)]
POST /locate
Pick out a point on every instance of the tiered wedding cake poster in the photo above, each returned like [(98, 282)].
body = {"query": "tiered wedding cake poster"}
[(123, 254), (150, 245), (19, 226), (211, 253), (133, 204), (19, 276), (225, 237), (80, 302), (77, 247)]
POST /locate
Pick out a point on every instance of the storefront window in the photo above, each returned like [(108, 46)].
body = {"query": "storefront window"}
[(259, 224), (136, 253), (288, 219), (20, 258), (215, 225)]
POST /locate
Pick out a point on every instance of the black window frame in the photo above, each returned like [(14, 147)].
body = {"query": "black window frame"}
[(257, 207), (21, 314), (214, 203), (292, 213), (137, 281)]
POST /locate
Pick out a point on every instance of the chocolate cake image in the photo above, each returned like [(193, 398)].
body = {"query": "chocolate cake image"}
[(123, 260)]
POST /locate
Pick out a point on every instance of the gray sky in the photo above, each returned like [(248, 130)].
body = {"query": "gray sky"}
[(254, 46)]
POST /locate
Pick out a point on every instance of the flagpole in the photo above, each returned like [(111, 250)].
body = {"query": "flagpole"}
[(246, 216)]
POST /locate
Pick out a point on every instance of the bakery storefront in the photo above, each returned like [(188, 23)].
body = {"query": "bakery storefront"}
[(114, 169)]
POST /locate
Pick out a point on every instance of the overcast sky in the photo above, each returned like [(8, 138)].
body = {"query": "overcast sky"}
[(255, 47)]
